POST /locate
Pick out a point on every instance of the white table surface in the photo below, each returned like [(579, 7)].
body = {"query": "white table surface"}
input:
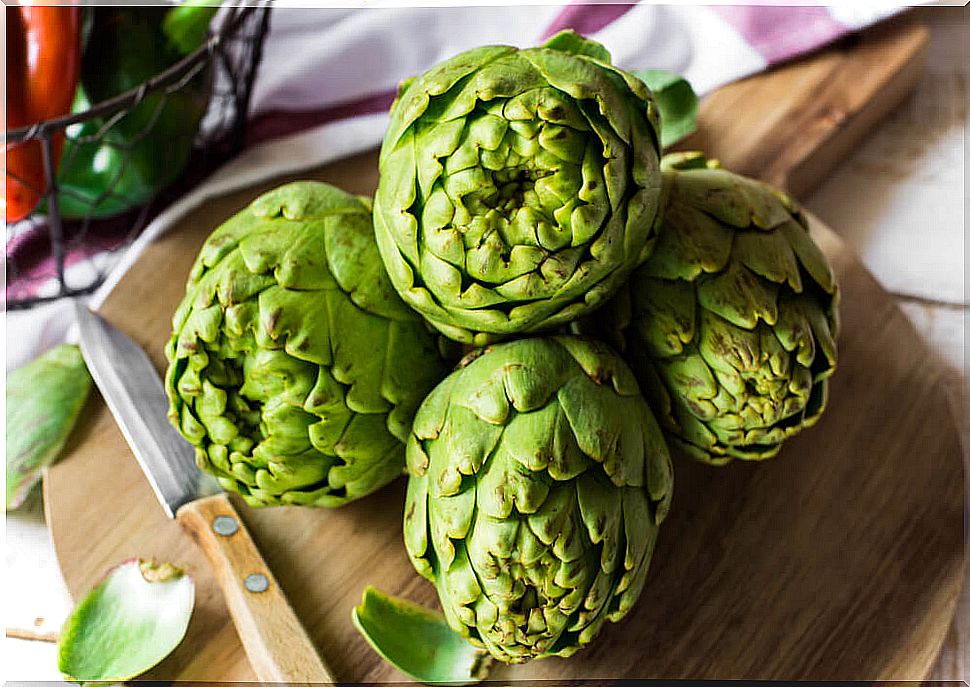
[(898, 200)]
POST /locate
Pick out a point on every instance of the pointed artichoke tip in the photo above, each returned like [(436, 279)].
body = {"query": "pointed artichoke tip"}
[(687, 160), (569, 41)]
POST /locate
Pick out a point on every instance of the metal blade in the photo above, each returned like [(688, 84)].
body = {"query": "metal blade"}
[(136, 397)]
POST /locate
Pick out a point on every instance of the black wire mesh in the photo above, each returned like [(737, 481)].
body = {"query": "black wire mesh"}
[(66, 246)]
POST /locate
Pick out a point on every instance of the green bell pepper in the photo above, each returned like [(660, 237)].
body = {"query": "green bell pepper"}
[(146, 149)]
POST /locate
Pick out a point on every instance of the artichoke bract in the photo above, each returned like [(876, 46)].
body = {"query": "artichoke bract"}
[(518, 188), (538, 478), (294, 368), (730, 325)]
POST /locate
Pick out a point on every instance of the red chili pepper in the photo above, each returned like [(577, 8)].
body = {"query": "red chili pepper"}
[(43, 66)]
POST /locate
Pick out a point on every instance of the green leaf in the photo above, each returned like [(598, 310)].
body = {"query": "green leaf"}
[(127, 624), (44, 399), (187, 25), (571, 42), (418, 641), (677, 102)]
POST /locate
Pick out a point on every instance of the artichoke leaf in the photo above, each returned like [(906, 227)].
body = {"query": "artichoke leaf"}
[(571, 42), (677, 102), (127, 624), (418, 641), (44, 399)]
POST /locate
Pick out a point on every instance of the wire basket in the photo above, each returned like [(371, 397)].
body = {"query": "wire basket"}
[(52, 254)]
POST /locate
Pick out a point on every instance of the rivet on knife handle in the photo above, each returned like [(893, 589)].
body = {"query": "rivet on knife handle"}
[(225, 526), (278, 647), (256, 583)]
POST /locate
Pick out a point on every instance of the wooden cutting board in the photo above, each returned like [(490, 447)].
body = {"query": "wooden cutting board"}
[(841, 559)]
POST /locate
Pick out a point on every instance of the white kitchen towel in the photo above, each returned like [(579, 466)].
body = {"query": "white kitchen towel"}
[(322, 65), (328, 76)]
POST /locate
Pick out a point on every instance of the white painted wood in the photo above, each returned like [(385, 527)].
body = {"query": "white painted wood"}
[(899, 199), (34, 598), (23, 661)]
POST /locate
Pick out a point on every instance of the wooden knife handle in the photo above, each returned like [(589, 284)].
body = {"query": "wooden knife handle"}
[(278, 647)]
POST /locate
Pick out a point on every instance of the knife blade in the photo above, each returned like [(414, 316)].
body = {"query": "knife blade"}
[(136, 398), (277, 645)]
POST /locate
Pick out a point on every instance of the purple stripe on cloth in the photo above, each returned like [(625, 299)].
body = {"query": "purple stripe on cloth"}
[(586, 17), (31, 252), (781, 33), (276, 123)]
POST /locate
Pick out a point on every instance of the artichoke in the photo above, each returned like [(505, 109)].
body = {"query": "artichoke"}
[(538, 477), (518, 188), (730, 325), (294, 368)]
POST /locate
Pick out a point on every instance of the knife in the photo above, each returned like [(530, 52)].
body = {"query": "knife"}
[(277, 645)]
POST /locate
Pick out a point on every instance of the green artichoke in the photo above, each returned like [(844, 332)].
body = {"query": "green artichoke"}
[(518, 188), (294, 368), (538, 479), (730, 325)]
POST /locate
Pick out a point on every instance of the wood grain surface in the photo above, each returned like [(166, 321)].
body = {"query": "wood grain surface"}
[(791, 126), (276, 644), (840, 559)]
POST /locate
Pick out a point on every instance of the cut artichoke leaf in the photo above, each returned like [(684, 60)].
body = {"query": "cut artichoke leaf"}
[(417, 641), (127, 624), (677, 101), (44, 399)]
